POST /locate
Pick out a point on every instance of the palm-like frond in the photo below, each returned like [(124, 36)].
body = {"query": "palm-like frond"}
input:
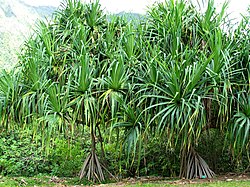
[(240, 125)]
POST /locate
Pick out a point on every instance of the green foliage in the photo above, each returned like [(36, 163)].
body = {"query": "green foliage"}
[(240, 127), (21, 155), (66, 158), (165, 161), (216, 151), (164, 82), (40, 180)]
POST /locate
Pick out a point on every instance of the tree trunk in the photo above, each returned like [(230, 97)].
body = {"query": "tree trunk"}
[(92, 168), (193, 166)]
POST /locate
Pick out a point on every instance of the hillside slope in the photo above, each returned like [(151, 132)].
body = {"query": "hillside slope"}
[(16, 21)]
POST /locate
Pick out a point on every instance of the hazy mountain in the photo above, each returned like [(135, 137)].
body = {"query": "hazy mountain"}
[(130, 15), (16, 21)]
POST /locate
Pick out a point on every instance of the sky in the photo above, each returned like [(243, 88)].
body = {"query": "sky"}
[(140, 6)]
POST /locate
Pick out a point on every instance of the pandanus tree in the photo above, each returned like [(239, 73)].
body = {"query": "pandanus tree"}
[(173, 81), (190, 75), (71, 78), (175, 72), (60, 82)]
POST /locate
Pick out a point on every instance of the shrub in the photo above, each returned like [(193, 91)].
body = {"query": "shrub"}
[(66, 159), (21, 155)]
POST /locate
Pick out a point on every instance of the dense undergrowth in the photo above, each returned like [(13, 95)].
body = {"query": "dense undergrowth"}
[(22, 155)]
